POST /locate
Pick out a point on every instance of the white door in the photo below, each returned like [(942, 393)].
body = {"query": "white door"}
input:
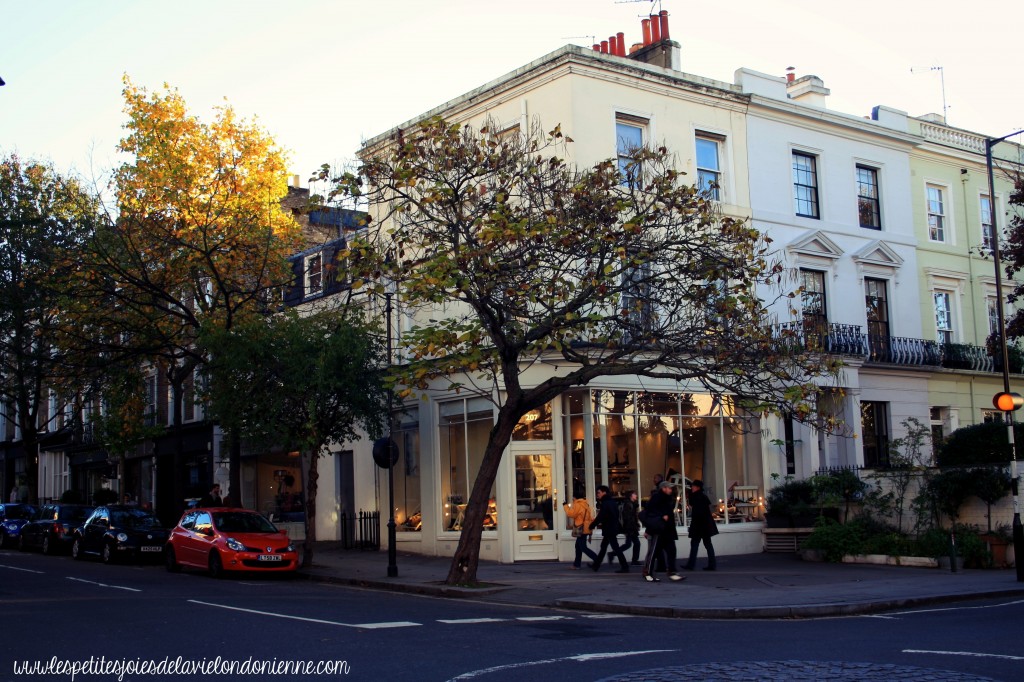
[(536, 504)]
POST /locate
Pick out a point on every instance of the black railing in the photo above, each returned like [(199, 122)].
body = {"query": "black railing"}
[(360, 531), (830, 470)]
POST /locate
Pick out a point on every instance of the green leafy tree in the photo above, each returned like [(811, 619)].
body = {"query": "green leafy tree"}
[(43, 217), (602, 271), (308, 383), (908, 460), (1012, 252)]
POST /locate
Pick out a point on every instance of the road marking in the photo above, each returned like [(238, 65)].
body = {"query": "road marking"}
[(581, 658), (471, 621), (604, 616), (954, 608), (540, 618), (367, 626), (113, 587), (972, 654), (15, 568)]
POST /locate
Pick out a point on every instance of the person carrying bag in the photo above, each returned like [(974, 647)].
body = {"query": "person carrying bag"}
[(581, 516)]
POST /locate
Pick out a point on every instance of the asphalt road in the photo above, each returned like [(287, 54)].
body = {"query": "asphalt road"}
[(59, 610)]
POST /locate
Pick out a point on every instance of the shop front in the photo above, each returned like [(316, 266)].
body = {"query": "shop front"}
[(624, 438)]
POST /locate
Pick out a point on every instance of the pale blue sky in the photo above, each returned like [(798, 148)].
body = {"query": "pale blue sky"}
[(323, 75)]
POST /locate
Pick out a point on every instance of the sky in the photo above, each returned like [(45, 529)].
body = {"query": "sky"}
[(321, 76)]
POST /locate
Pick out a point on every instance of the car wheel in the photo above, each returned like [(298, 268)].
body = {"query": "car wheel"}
[(47, 547), (76, 549), (216, 565), (171, 561), (108, 553)]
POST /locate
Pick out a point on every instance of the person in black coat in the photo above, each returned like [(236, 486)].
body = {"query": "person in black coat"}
[(631, 525), (663, 503), (608, 521), (702, 526)]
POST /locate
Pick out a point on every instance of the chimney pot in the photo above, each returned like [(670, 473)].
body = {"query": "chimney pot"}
[(620, 41), (646, 24), (655, 28), (613, 48), (663, 16), (604, 46), (597, 47)]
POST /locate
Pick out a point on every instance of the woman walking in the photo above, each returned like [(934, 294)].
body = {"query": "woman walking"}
[(582, 517), (702, 526)]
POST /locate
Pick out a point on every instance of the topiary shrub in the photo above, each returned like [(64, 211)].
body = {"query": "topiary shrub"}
[(835, 539), (979, 444)]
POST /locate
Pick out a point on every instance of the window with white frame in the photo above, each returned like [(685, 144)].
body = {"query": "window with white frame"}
[(938, 230), (630, 135), (943, 315), (805, 184), (709, 164), (985, 208), (313, 267), (992, 309), (869, 207)]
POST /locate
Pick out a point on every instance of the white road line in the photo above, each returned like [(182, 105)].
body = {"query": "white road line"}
[(367, 626), (471, 621), (955, 608), (113, 587), (605, 616), (15, 568), (539, 618), (582, 658), (973, 654)]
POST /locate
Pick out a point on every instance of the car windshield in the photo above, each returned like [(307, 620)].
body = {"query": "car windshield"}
[(75, 514), (242, 522), (138, 520), (23, 512)]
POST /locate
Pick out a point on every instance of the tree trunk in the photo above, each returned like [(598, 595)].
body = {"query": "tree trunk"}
[(311, 486), (467, 554)]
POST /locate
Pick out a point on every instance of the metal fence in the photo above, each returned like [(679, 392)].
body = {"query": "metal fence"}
[(361, 530)]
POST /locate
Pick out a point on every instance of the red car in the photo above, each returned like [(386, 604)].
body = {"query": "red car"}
[(221, 539)]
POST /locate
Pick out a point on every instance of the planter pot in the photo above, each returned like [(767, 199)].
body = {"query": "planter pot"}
[(944, 563), (890, 560), (998, 546)]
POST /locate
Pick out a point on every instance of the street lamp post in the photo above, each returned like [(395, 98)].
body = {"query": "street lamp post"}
[(1018, 530), (392, 550)]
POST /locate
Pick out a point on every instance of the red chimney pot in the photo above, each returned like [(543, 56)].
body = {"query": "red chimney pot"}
[(664, 24), (646, 23), (620, 40), (655, 28)]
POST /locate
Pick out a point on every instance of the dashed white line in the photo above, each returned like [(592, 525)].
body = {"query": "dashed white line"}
[(972, 654), (113, 587), (16, 568), (470, 621), (367, 626)]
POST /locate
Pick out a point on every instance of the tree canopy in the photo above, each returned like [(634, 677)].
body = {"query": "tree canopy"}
[(43, 217), (517, 257)]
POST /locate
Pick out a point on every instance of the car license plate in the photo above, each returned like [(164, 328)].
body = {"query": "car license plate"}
[(151, 548), (269, 557)]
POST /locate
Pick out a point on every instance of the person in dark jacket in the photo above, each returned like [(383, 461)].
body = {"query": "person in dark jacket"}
[(608, 521), (662, 543), (702, 526), (631, 525)]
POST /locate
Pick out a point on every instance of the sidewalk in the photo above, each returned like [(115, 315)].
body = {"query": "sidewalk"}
[(744, 586)]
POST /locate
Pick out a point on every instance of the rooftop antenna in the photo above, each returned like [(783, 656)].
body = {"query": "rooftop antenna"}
[(654, 4), (942, 81), (592, 39)]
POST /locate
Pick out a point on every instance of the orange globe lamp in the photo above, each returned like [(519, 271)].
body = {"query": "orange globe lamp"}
[(1007, 402)]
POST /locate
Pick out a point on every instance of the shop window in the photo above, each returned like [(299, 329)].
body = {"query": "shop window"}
[(408, 493), (464, 428), (534, 425)]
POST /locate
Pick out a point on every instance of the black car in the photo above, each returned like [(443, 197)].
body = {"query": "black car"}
[(120, 531), (13, 516), (52, 527)]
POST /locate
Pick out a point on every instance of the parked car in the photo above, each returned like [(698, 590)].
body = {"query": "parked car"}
[(115, 532), (221, 539), (13, 516), (52, 528)]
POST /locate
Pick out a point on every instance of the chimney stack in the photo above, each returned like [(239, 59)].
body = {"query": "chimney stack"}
[(655, 28)]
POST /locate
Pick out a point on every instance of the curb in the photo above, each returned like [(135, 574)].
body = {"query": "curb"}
[(434, 590)]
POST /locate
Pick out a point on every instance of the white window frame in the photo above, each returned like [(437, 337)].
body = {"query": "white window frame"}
[(987, 228), (944, 334), (718, 172), (816, 186), (631, 119), (945, 217), (313, 282), (876, 174)]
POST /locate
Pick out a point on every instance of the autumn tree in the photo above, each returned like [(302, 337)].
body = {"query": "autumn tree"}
[(43, 216), (1012, 249), (309, 382), (602, 271), (197, 238)]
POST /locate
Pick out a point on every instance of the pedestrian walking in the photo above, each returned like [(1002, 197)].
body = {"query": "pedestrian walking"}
[(212, 498), (582, 517), (631, 525), (702, 526), (660, 531), (608, 521)]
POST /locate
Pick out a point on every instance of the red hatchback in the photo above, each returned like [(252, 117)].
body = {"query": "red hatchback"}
[(221, 539)]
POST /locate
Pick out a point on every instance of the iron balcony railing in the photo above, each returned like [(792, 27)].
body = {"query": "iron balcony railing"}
[(850, 339)]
